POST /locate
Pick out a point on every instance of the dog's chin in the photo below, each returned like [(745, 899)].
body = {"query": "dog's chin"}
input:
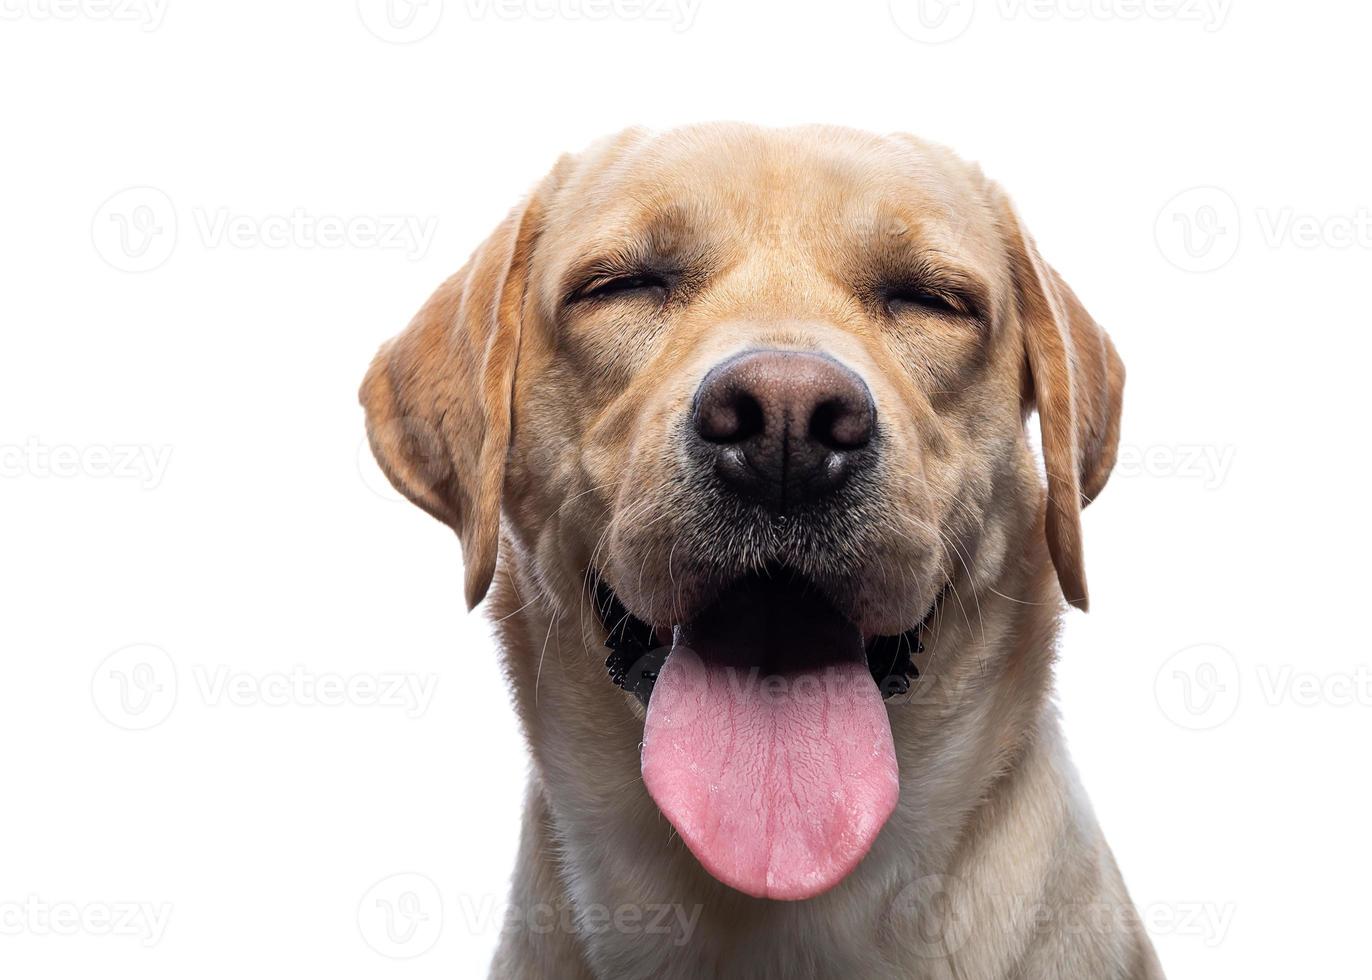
[(761, 604)]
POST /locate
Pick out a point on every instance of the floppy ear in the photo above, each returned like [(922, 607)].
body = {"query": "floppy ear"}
[(1075, 379), (438, 396)]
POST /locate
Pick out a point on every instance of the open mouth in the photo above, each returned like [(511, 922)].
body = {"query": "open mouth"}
[(638, 650), (766, 742)]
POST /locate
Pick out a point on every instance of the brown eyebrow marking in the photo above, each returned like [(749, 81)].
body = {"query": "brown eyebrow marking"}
[(928, 272), (666, 244), (902, 260)]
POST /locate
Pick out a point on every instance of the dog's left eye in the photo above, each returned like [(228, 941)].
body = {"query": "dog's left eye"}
[(900, 298), (610, 286)]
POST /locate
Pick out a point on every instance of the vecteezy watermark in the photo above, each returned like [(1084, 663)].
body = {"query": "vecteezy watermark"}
[(931, 916), (940, 21), (137, 230), (136, 688), (35, 916), (407, 21), (400, 21), (410, 693), (1286, 684), (932, 21), (1200, 229), (1199, 688), (300, 229), (1207, 465), (821, 687), (119, 461), (1206, 922), (672, 922), (413, 439), (147, 14), (401, 916), (934, 916), (1282, 227)]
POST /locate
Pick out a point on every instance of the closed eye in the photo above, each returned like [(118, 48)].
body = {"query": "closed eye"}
[(901, 298), (614, 286)]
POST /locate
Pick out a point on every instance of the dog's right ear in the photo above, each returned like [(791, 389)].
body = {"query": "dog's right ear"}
[(438, 396)]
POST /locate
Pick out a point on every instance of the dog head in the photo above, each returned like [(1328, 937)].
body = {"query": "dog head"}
[(726, 369)]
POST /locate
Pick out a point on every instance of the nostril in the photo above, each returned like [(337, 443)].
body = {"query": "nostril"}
[(840, 424), (736, 418), (752, 419)]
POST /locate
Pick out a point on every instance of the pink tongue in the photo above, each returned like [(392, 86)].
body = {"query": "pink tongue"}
[(768, 747)]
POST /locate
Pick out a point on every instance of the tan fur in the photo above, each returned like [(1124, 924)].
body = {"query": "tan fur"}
[(514, 415)]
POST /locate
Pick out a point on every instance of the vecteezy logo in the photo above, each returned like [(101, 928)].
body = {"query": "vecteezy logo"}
[(1198, 688), (931, 916), (401, 916), (1198, 230), (135, 230), (400, 21), (932, 21), (135, 687), (408, 437)]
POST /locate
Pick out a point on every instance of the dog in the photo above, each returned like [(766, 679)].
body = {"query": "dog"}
[(733, 425)]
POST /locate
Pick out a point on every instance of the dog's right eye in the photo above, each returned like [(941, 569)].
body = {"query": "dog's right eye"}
[(606, 287)]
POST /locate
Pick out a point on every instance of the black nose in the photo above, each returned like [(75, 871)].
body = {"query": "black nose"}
[(784, 427)]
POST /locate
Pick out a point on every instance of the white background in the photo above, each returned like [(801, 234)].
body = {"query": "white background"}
[(184, 470)]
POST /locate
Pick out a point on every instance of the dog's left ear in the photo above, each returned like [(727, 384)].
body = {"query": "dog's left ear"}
[(1075, 379), (439, 396)]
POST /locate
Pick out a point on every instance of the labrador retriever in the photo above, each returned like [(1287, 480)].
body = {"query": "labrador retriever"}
[(732, 423)]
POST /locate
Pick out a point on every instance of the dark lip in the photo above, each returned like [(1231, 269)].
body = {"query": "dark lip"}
[(637, 651)]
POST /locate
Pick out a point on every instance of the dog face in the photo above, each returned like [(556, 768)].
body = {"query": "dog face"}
[(728, 367), (646, 264)]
